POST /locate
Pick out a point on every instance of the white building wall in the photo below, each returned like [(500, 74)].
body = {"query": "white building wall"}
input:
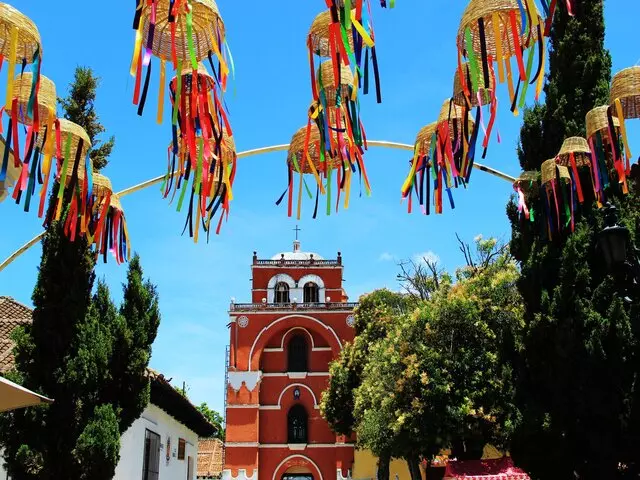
[(132, 447)]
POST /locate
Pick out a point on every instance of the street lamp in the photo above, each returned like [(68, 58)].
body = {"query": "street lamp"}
[(619, 252)]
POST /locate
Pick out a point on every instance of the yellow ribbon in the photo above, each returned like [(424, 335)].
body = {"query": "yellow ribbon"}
[(13, 53), (136, 52), (365, 36), (498, 38), (623, 129)]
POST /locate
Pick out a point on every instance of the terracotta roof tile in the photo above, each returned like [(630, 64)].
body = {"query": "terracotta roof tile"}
[(12, 314), (210, 452)]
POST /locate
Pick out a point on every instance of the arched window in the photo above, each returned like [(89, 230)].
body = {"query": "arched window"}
[(311, 293), (297, 425), (297, 354), (282, 293)]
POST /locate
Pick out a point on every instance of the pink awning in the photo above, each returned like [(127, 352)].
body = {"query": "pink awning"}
[(498, 469)]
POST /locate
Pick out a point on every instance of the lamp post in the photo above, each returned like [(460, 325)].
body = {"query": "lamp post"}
[(620, 254)]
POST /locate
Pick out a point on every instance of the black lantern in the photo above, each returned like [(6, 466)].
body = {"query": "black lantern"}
[(613, 241)]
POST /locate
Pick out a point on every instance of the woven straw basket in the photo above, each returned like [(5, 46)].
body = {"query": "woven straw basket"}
[(549, 171), (486, 94), (319, 35), (626, 87), (423, 139), (529, 183), (187, 74), (115, 202), (46, 98), (77, 132), (326, 81), (484, 9), (580, 149), (207, 22), (457, 112), (228, 148), (596, 120), (28, 36), (101, 185), (297, 148)]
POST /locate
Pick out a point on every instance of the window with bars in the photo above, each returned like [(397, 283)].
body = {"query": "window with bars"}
[(151, 463), (311, 293), (297, 424), (182, 444), (298, 354), (282, 293)]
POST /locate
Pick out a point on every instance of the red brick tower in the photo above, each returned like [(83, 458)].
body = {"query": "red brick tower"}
[(280, 348)]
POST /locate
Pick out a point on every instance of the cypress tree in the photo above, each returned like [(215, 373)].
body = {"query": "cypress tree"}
[(576, 375), (80, 349)]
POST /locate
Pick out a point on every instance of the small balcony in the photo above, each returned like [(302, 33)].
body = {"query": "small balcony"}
[(282, 307)]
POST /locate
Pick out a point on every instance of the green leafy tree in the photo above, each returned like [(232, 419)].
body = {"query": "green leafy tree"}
[(374, 317), (79, 350), (577, 374), (440, 379), (214, 418)]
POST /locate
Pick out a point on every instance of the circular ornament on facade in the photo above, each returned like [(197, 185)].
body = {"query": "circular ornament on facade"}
[(351, 320), (243, 322)]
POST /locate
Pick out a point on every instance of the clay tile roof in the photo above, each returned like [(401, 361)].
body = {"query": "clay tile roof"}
[(210, 457), (12, 314)]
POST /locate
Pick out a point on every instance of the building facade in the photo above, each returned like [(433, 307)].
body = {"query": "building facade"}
[(281, 345)]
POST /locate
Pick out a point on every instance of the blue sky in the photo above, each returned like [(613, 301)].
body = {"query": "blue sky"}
[(268, 102)]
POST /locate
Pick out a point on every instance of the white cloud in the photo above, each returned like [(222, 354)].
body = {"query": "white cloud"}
[(430, 256), (386, 257)]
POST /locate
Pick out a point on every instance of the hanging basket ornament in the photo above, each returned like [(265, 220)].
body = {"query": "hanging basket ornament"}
[(207, 176), (469, 91), (527, 188), (496, 31), (309, 155), (183, 32), (345, 34), (75, 178), (624, 103), (21, 45), (111, 233), (419, 178), (40, 145), (599, 137), (455, 146), (559, 198), (575, 154)]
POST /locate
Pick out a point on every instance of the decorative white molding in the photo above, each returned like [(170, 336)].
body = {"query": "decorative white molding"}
[(319, 311), (314, 279), (351, 320), (269, 407), (242, 444), (249, 379), (321, 349), (242, 475), (297, 446), (243, 321), (273, 349), (247, 405), (339, 475), (302, 385), (282, 277), (286, 317), (297, 455), (299, 375), (294, 329)]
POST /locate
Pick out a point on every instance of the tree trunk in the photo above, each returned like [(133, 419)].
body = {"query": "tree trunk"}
[(384, 461), (414, 467)]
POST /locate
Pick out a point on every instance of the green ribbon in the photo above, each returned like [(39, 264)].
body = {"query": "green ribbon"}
[(176, 105), (526, 80), (473, 61), (192, 48)]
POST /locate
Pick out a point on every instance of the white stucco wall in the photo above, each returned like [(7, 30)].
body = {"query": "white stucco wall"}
[(132, 447), (3, 472)]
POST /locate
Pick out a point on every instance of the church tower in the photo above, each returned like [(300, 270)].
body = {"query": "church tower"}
[(281, 345)]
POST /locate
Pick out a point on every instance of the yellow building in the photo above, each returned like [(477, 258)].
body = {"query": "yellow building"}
[(365, 465)]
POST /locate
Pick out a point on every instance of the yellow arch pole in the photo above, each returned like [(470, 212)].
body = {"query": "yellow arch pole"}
[(251, 153)]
